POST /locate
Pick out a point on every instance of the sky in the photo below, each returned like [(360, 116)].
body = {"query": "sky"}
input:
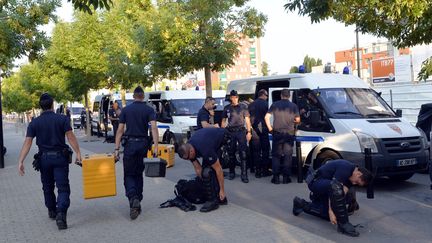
[(288, 37)]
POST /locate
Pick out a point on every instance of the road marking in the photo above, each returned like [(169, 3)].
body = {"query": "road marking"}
[(413, 201)]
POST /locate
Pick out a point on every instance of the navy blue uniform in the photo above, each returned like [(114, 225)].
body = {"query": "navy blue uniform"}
[(136, 116), (50, 129), (284, 113), (341, 170), (260, 143), (115, 123), (207, 143), (203, 115)]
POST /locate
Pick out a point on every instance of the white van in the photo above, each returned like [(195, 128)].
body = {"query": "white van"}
[(177, 111), (101, 106), (76, 109), (348, 117)]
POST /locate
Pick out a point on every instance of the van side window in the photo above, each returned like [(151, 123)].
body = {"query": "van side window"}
[(96, 106), (312, 115)]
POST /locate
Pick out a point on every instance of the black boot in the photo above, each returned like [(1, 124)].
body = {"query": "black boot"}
[(212, 199), (275, 179), (52, 214), (61, 221), (286, 179), (258, 172), (351, 200), (231, 174), (338, 205), (299, 205), (135, 208), (244, 176)]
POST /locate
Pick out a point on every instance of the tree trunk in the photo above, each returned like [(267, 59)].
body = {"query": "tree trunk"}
[(88, 125), (208, 85), (123, 97)]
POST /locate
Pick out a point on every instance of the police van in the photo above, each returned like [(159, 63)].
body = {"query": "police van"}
[(100, 123), (177, 111), (341, 116)]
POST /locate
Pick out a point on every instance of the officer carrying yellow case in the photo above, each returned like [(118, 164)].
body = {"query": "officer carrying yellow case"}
[(165, 152), (99, 177)]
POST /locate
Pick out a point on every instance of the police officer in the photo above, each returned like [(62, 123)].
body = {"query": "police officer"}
[(329, 186), (50, 130), (205, 117), (285, 115), (210, 171), (234, 118), (114, 114), (136, 117), (260, 143)]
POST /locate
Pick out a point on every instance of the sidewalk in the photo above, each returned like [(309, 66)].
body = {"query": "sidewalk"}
[(24, 216)]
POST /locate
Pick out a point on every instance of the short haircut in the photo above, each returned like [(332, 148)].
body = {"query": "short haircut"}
[(366, 176), (262, 92), (139, 92), (208, 99), (182, 150), (46, 102), (285, 93)]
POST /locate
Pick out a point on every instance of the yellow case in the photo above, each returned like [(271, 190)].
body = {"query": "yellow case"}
[(166, 152), (99, 177)]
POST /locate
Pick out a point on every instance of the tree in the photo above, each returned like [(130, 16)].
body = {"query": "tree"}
[(20, 34), (89, 6), (265, 69), (216, 28), (294, 69), (309, 62), (15, 97), (406, 23)]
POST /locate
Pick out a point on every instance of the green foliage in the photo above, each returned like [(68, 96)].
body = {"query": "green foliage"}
[(14, 96), (265, 69), (404, 22), (309, 62), (88, 6), (294, 69), (19, 29)]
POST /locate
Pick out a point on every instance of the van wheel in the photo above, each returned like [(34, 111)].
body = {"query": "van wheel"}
[(172, 140), (325, 157), (402, 177)]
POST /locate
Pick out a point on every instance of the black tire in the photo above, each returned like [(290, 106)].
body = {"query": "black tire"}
[(324, 157), (402, 177)]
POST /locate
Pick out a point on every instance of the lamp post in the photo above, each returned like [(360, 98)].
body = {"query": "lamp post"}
[(1, 126), (358, 53)]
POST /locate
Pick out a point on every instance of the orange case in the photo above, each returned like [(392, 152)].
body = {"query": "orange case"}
[(166, 152), (99, 176)]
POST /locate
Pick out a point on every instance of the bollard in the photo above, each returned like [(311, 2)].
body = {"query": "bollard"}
[(368, 165), (299, 162)]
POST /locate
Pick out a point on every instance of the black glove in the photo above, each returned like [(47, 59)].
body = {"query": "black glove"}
[(36, 162)]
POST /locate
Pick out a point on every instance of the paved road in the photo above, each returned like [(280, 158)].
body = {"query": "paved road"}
[(400, 212)]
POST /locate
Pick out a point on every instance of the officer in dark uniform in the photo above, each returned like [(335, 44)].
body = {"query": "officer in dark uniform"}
[(136, 117), (329, 186), (260, 142), (200, 146), (114, 114), (53, 159), (285, 115), (205, 117), (235, 116)]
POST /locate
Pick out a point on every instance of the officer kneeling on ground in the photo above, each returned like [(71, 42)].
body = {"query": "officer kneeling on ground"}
[(206, 143), (136, 117), (329, 186), (53, 157)]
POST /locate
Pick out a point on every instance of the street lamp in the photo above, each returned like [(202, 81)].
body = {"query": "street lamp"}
[(358, 53), (2, 165)]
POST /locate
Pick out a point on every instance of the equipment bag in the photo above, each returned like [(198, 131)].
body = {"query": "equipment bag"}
[(193, 190)]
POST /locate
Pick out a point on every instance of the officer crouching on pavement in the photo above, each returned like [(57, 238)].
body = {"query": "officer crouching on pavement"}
[(329, 186), (286, 115), (206, 144), (260, 143), (235, 116), (205, 117), (136, 117), (53, 158)]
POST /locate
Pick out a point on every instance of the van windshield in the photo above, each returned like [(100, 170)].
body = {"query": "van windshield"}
[(354, 103), (77, 110), (128, 102), (186, 107)]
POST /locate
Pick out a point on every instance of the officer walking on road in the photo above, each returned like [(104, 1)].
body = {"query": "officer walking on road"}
[(200, 146), (114, 114), (286, 115), (329, 186), (205, 117), (53, 158), (136, 117), (235, 116), (260, 143)]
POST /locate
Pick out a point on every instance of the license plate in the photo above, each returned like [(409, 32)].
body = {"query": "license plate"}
[(406, 162)]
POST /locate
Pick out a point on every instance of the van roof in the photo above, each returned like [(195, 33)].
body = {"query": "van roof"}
[(185, 94), (299, 81)]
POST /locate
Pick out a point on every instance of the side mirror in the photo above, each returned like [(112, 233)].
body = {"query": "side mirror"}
[(315, 118), (399, 113)]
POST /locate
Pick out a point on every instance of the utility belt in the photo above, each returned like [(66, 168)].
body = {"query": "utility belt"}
[(66, 152), (126, 139), (313, 175), (284, 132), (236, 129)]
